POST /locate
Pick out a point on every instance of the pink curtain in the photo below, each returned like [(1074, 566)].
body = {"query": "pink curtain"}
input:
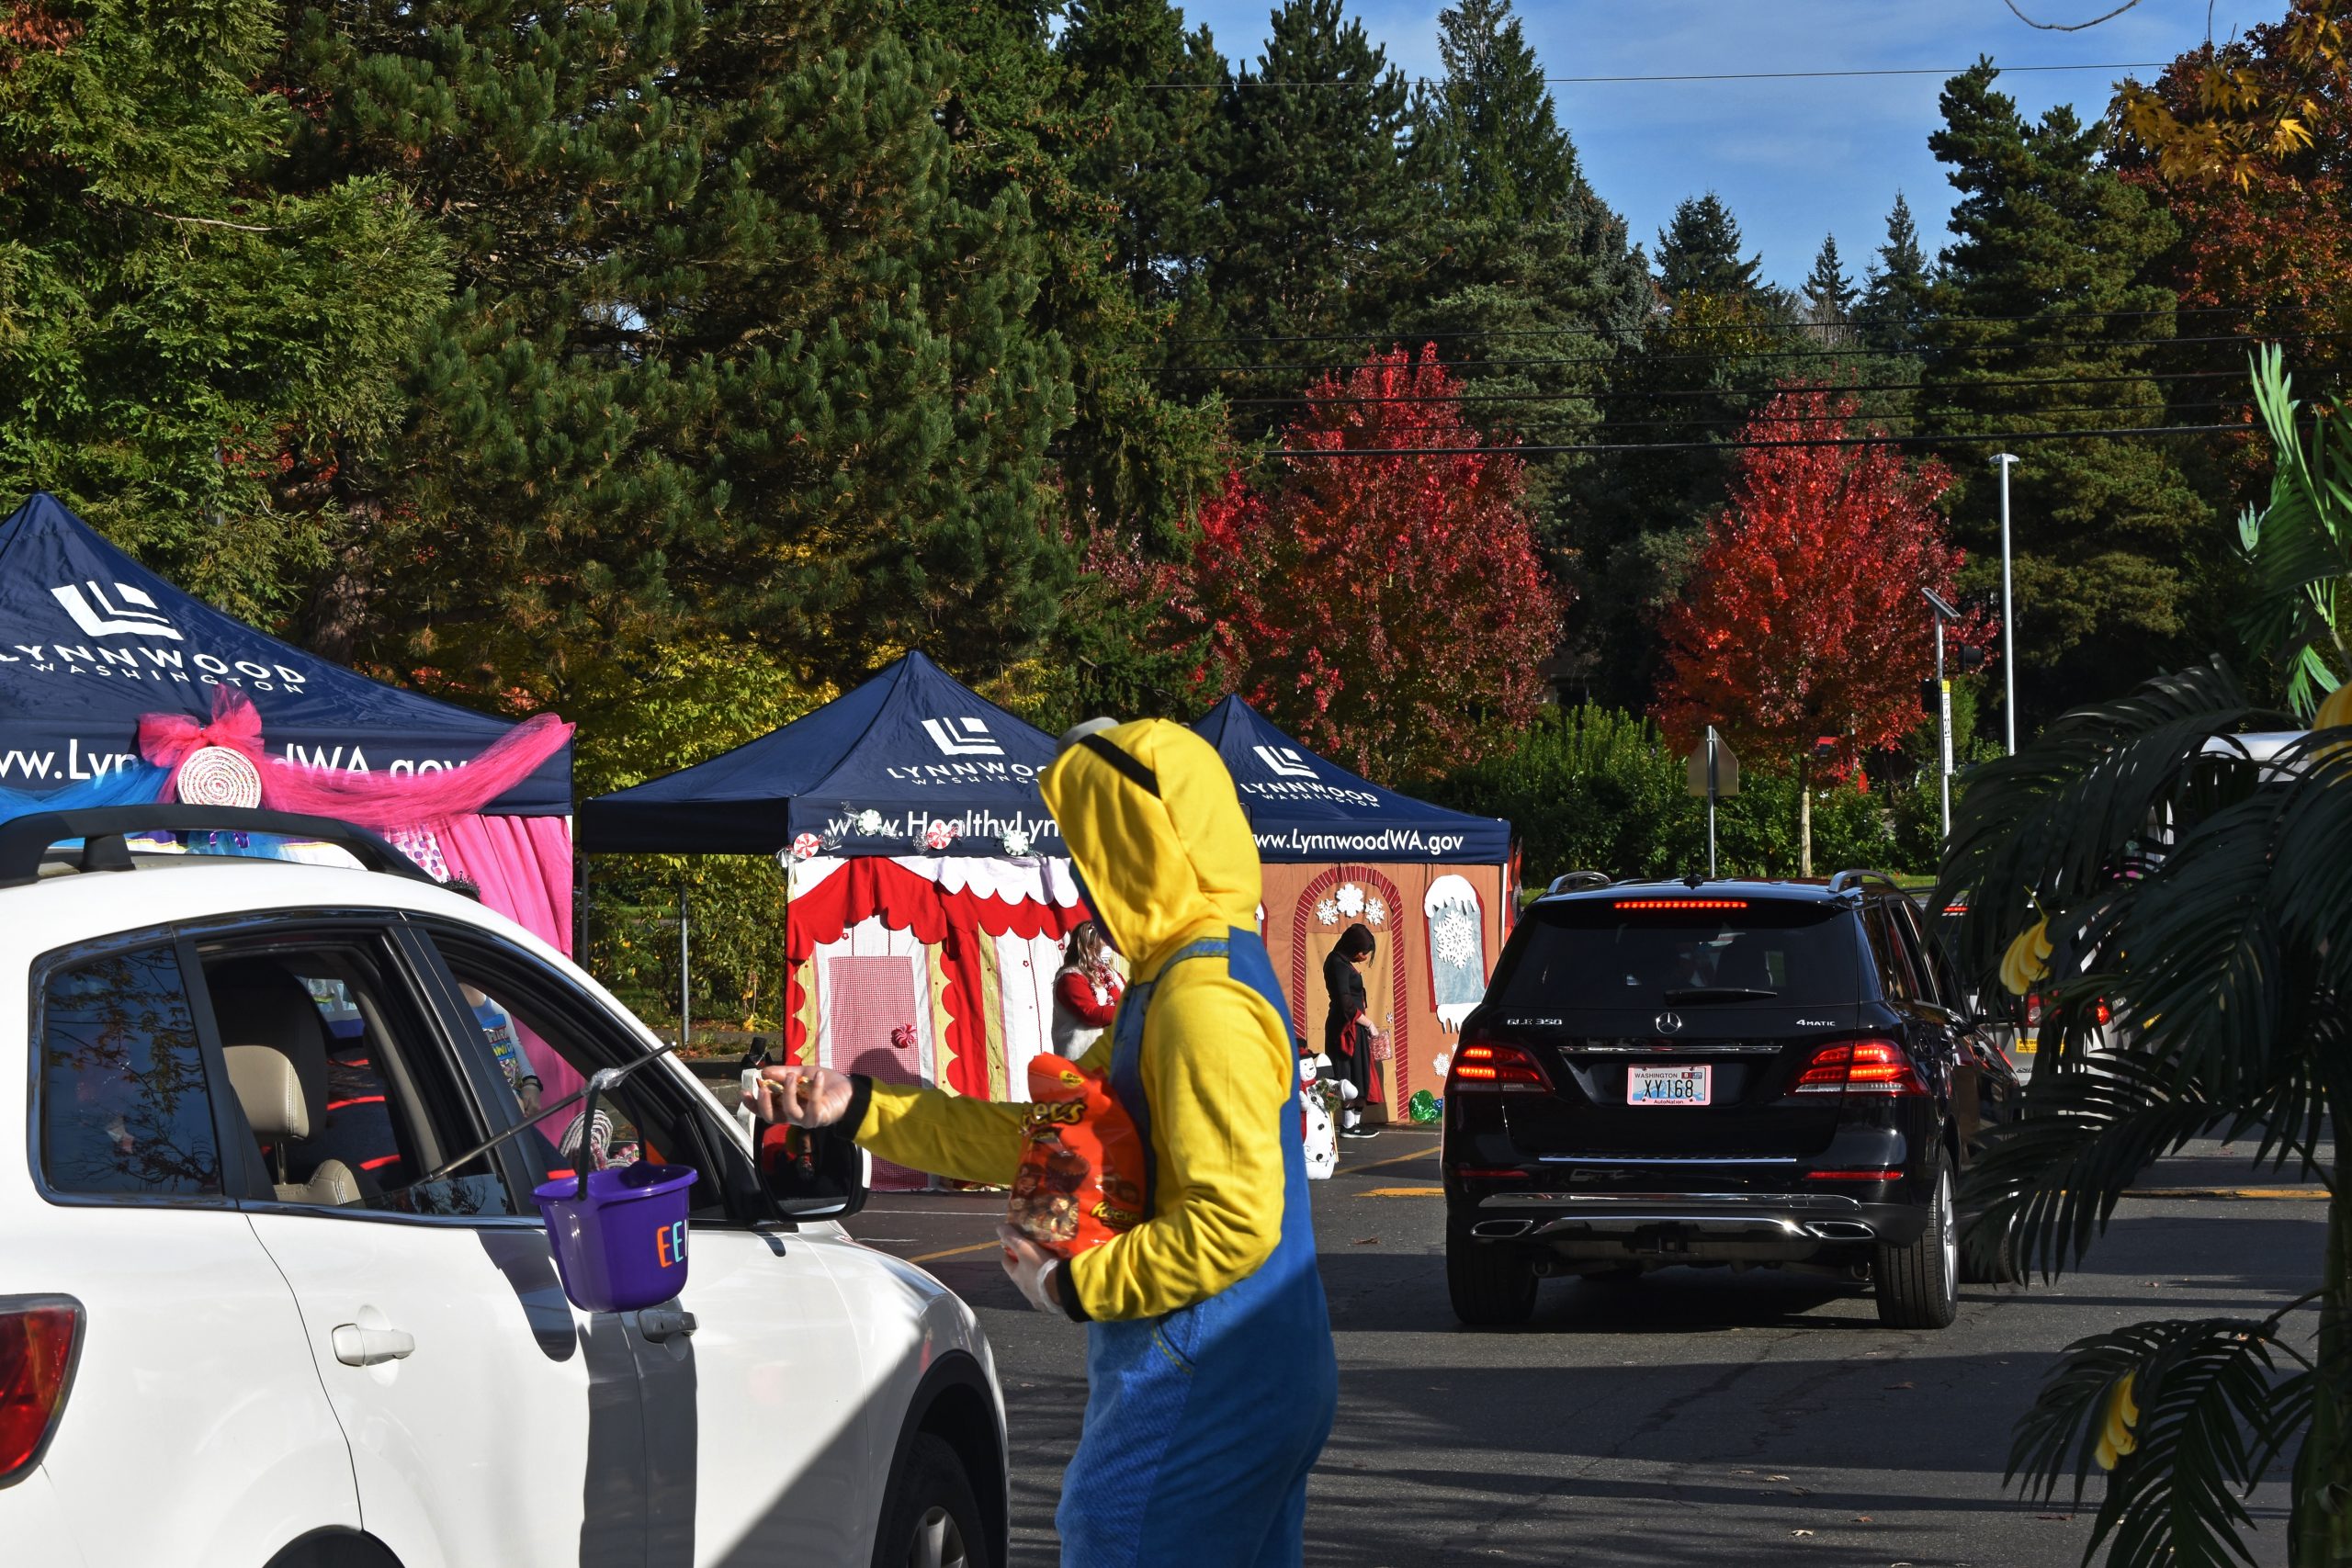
[(523, 865)]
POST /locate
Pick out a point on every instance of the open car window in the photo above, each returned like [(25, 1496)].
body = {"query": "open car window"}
[(529, 1014)]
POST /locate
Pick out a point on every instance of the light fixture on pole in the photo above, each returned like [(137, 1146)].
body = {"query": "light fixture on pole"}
[(1945, 611), (2009, 614)]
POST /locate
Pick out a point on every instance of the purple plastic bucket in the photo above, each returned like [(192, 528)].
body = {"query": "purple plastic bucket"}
[(619, 1238)]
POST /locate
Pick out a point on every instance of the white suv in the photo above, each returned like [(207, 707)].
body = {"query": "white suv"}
[(245, 1322)]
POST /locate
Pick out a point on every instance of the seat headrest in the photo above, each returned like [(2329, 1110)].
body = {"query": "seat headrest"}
[(257, 1001), (269, 1089)]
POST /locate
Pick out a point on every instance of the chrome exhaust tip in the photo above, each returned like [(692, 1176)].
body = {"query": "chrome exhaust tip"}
[(1840, 1230), (1500, 1229)]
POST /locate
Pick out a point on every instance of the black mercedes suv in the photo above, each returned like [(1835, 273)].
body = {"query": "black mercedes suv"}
[(1744, 1072)]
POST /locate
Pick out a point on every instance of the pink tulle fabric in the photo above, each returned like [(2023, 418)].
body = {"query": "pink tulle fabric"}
[(379, 802), (523, 865)]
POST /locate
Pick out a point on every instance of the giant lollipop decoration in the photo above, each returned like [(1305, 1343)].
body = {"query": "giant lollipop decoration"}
[(216, 775)]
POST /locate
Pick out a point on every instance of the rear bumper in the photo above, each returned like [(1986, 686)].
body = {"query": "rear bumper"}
[(1721, 1227)]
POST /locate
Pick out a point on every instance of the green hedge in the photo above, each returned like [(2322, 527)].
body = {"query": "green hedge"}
[(1597, 789)]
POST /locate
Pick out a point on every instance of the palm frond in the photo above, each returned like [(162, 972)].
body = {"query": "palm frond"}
[(2214, 1411), (2051, 1179), (2297, 548)]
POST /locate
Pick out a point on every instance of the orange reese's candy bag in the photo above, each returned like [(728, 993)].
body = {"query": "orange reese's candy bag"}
[(1081, 1180)]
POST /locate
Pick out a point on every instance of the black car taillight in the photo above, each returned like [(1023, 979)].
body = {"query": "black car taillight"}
[(37, 1343), (1493, 1065), (1860, 1066)]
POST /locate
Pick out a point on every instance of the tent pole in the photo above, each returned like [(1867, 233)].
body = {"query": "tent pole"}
[(686, 972)]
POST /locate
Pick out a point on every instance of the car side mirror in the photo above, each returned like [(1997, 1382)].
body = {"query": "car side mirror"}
[(817, 1174)]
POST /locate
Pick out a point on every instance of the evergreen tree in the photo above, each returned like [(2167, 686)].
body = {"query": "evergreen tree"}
[(1829, 294), (729, 354), (2045, 319), (1317, 209), (1894, 292), (1698, 252), (1522, 261), (172, 329)]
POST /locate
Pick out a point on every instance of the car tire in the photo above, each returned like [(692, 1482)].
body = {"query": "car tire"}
[(2003, 1269), (1918, 1285), (931, 1520), (1492, 1284)]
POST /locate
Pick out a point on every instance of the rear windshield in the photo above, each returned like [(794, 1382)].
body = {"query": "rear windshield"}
[(1595, 953)]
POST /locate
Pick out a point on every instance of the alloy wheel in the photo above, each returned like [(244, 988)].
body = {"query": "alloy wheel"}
[(938, 1542)]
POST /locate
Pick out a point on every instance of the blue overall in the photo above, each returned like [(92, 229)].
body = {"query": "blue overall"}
[(1201, 1426)]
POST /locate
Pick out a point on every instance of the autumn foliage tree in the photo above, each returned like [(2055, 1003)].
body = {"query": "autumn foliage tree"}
[(1390, 609), (1803, 617)]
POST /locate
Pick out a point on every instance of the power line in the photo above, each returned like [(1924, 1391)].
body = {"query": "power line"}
[(1251, 82), (1399, 335), (1857, 352), (2004, 436), (1601, 393), (1745, 421)]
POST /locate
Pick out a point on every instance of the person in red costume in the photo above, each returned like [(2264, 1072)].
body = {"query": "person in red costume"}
[(1086, 992)]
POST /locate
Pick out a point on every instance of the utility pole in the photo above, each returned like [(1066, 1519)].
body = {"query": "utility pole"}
[(2008, 615)]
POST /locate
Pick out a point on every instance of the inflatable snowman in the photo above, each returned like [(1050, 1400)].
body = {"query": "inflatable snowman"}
[(1322, 1139)]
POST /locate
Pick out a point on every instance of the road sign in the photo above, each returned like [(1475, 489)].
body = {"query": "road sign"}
[(1726, 768)]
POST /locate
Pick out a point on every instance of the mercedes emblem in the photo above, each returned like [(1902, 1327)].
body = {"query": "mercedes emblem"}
[(1670, 1023)]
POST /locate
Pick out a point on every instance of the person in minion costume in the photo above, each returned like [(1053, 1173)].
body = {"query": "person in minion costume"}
[(1210, 1371)]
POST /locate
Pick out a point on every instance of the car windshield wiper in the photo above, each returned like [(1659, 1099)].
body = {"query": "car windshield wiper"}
[(1718, 994)]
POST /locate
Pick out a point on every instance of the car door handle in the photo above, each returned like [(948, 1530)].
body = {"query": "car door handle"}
[(658, 1323), (358, 1346)]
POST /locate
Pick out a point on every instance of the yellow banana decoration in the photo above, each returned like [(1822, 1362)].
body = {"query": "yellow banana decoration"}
[(2335, 712), (2122, 1415), (2027, 959)]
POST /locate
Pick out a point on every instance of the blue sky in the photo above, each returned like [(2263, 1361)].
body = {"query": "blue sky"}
[(1794, 160)]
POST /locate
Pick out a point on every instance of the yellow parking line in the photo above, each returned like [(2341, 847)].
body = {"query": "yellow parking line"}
[(1403, 1192), (2311, 1193), (1428, 1153), (954, 1252)]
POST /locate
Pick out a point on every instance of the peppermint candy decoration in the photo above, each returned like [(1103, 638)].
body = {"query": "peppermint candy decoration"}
[(216, 776), (869, 821), (903, 1037), (805, 845), (1015, 841), (938, 836)]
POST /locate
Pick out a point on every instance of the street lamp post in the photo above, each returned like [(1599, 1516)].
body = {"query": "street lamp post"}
[(1944, 611), (2008, 616)]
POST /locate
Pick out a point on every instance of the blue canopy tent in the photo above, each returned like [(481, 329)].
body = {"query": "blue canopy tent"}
[(1434, 887), (869, 773), (90, 641), (927, 900)]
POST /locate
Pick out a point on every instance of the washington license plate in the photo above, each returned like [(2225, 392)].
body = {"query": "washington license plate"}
[(1669, 1085)]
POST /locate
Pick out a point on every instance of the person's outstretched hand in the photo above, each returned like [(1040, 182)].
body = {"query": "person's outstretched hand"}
[(1030, 1269), (806, 1097)]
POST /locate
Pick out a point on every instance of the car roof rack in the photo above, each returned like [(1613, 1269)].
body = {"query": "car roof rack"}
[(1576, 881), (1852, 880), (26, 842)]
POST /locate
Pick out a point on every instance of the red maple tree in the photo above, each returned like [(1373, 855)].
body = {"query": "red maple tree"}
[(1391, 611), (1804, 616)]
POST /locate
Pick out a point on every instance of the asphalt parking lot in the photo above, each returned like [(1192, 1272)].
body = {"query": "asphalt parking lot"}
[(1693, 1416)]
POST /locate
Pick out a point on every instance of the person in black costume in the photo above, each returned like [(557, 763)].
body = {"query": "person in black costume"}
[(1348, 1034)]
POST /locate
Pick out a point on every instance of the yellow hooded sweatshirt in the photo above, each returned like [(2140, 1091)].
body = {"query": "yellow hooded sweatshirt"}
[(1161, 869)]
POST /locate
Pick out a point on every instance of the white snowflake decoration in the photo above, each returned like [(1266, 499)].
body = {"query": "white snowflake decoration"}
[(1351, 899), (1376, 910), (1326, 911), (1456, 941), (1442, 1064), (1015, 841)]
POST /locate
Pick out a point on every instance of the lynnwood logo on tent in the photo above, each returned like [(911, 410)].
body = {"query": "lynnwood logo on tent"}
[(1285, 762), (962, 737), (129, 612)]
